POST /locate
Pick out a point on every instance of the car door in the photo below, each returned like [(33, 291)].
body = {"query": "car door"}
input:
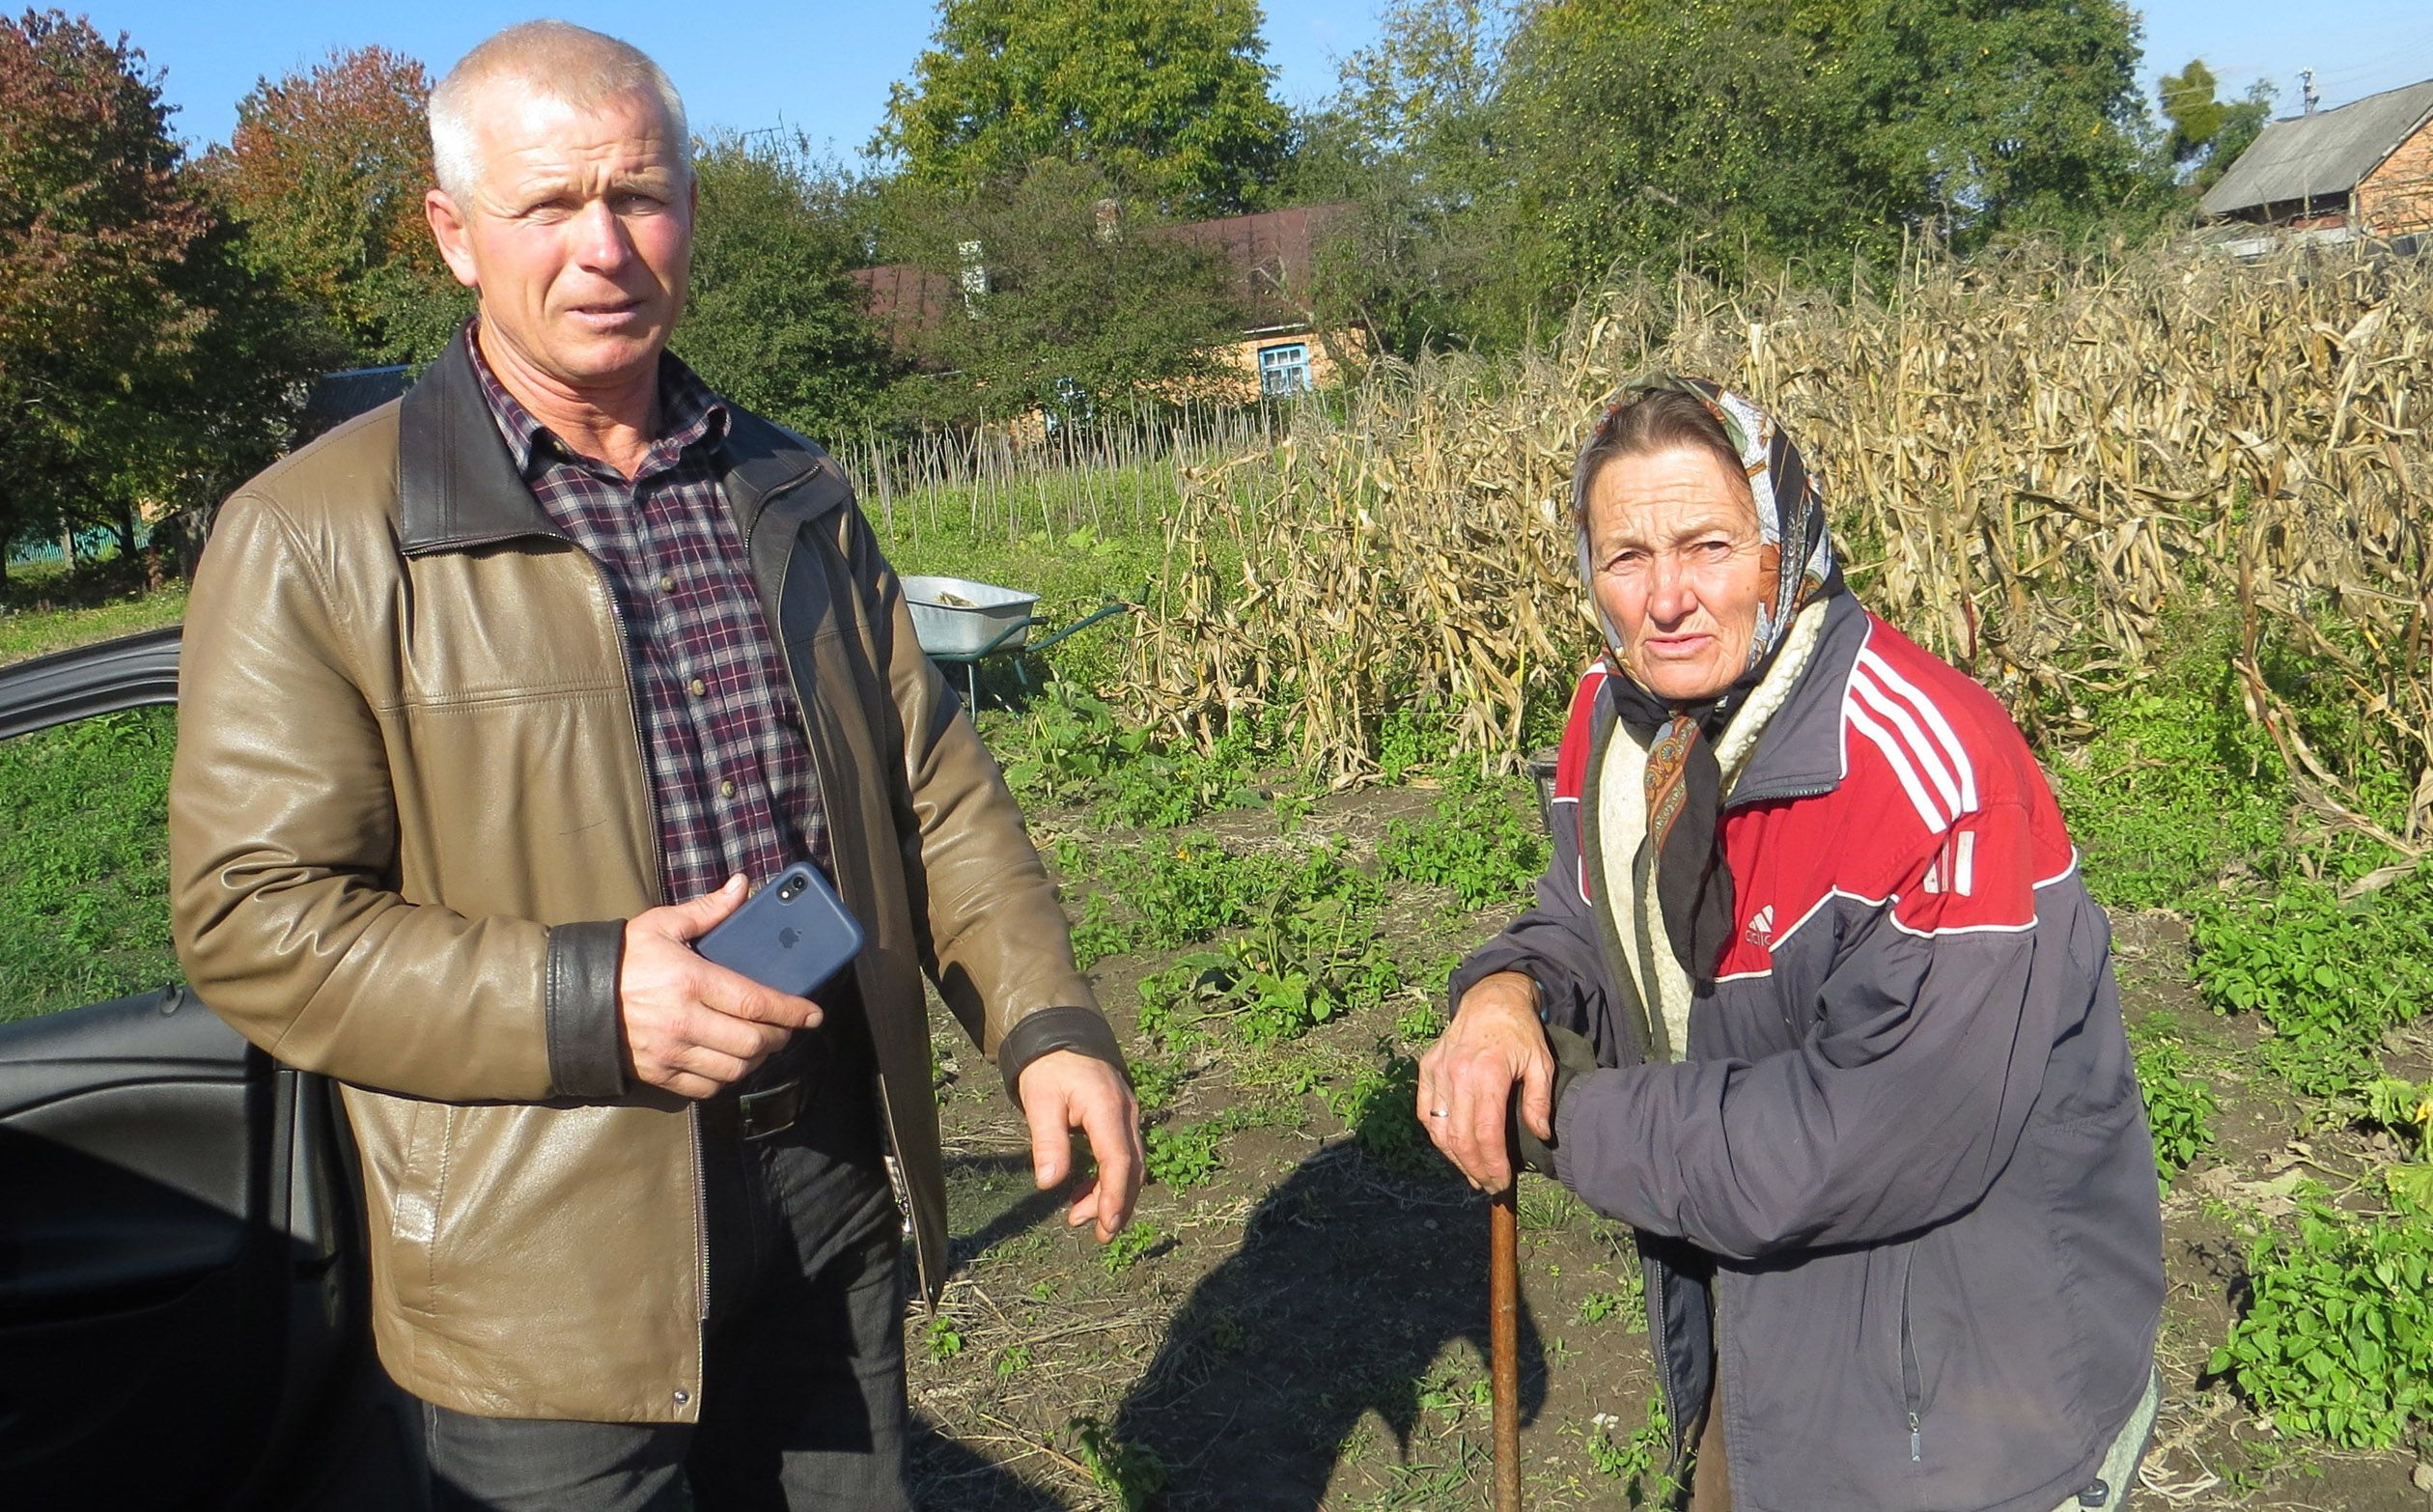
[(181, 1298)]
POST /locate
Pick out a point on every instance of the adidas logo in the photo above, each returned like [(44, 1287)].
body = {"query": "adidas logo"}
[(1761, 928)]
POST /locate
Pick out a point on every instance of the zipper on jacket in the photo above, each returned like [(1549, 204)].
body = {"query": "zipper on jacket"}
[(823, 773), (761, 513), (1774, 795), (658, 873), (634, 712), (1715, 1330), (1659, 1288), (1658, 1275), (1646, 1022), (1912, 1385)]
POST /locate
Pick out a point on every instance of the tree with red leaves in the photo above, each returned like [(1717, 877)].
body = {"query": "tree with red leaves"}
[(141, 366), (327, 169)]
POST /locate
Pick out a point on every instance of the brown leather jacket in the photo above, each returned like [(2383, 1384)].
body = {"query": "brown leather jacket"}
[(409, 814)]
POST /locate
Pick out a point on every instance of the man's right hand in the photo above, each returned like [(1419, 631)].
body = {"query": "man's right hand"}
[(693, 1026)]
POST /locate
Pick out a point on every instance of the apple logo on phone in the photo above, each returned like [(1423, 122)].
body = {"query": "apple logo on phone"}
[(789, 937)]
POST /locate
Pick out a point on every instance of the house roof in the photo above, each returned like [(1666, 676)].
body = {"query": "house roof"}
[(2322, 155), (903, 301), (1272, 253), (1272, 256)]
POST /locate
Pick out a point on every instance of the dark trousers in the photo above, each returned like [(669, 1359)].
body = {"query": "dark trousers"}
[(802, 1402)]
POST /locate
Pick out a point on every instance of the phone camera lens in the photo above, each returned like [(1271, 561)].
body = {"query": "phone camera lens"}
[(789, 892)]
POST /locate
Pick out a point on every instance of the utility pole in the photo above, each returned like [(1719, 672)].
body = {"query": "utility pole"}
[(2307, 89)]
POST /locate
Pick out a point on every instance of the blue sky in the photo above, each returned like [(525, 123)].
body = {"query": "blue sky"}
[(825, 68)]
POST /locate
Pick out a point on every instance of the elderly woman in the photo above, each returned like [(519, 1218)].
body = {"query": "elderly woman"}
[(1832, 1018)]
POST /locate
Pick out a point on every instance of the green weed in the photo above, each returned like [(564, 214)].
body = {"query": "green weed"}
[(1449, 1396), (1098, 934), (1130, 1473), (2179, 1107), (1306, 950), (1545, 1206), (2338, 1341), (942, 1340), (2176, 783), (1422, 1022), (1131, 1247), (1379, 1104), (1155, 1080), (1636, 1459), (1065, 743), (2405, 1108), (1185, 1156), (1069, 747), (1626, 1303), (1413, 739), (2329, 975), (1479, 844)]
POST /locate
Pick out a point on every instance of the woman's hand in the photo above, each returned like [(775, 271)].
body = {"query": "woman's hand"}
[(1495, 1044)]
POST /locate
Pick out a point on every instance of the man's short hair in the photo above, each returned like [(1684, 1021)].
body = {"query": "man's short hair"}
[(558, 60)]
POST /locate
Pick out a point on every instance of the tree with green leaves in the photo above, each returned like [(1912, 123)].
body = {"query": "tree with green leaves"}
[(1641, 134), (2207, 133), (1823, 128), (1164, 100), (1069, 300), (1410, 141), (138, 359), (327, 169), (1986, 116), (775, 319), (1508, 160)]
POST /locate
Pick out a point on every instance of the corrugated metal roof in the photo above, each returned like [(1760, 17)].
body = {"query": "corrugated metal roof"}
[(2320, 157)]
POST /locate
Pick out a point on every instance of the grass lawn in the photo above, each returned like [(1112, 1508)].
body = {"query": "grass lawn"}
[(47, 607)]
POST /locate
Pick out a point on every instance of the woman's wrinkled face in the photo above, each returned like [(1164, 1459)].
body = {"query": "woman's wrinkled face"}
[(1676, 563)]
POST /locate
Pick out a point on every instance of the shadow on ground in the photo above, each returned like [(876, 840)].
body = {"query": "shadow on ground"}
[(946, 1475), (1349, 1284)]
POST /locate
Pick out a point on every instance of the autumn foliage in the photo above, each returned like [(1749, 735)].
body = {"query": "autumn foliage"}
[(92, 215), (328, 170), (139, 363)]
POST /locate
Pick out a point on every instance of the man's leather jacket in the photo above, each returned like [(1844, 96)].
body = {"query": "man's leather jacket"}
[(409, 814)]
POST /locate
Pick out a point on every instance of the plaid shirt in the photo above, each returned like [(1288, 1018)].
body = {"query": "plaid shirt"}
[(731, 775)]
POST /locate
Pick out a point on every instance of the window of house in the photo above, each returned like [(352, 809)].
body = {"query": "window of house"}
[(1284, 370), (1069, 403)]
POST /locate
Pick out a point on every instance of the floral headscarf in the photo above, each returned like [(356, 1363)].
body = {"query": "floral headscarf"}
[(1684, 784), (1790, 517)]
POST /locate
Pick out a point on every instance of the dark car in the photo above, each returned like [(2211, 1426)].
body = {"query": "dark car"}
[(181, 1286)]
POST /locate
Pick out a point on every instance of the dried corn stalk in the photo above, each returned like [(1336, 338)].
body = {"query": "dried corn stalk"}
[(2028, 459)]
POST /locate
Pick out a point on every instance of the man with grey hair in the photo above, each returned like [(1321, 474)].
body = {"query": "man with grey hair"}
[(495, 699)]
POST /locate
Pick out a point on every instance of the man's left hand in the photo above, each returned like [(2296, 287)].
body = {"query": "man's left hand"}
[(1064, 1090)]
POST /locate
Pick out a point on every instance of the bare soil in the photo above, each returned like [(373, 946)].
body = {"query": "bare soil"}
[(1307, 1330)]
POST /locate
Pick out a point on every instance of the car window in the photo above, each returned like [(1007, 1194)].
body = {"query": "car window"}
[(84, 862)]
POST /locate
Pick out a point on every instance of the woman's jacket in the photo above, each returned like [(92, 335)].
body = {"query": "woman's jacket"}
[(1900, 1188)]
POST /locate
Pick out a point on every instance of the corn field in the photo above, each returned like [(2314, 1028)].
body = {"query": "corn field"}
[(2029, 460)]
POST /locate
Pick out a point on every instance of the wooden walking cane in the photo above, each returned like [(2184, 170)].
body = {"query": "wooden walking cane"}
[(1503, 1288)]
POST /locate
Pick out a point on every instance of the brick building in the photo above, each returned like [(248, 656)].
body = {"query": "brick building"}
[(2366, 168)]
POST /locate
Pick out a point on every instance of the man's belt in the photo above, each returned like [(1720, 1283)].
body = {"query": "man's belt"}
[(757, 1115)]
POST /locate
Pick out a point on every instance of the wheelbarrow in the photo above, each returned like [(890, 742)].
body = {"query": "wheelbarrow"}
[(960, 621)]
